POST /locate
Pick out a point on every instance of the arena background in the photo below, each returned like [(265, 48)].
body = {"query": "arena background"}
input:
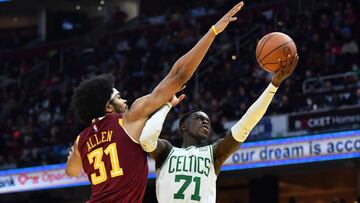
[(306, 149)]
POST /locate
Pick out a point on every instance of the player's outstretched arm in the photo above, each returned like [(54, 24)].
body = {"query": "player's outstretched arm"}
[(73, 165), (180, 73), (157, 148), (223, 148)]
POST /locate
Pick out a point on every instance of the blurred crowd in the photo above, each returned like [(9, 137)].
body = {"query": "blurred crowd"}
[(37, 126)]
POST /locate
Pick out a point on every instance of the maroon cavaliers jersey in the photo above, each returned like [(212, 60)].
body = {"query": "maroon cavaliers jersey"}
[(115, 164)]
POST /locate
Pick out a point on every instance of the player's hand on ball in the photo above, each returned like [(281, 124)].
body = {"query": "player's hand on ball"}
[(285, 71), (228, 17)]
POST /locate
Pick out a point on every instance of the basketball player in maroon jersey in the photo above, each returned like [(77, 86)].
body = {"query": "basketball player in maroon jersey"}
[(108, 150)]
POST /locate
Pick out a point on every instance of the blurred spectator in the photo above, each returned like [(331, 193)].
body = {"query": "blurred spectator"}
[(119, 16), (358, 96), (37, 126), (350, 47), (292, 200), (340, 200)]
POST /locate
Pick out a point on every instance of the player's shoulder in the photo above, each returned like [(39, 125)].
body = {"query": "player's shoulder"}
[(166, 143), (113, 116), (205, 148), (201, 148), (84, 132), (83, 135)]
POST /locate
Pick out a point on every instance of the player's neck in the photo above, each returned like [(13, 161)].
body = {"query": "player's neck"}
[(190, 141)]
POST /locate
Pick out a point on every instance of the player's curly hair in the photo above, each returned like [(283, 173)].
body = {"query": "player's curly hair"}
[(90, 97), (186, 115)]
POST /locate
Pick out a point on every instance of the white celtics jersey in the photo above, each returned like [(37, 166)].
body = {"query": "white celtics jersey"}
[(187, 175)]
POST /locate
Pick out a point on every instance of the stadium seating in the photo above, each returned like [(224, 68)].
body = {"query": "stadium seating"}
[(37, 126)]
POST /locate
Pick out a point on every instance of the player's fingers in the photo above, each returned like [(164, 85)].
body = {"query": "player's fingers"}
[(295, 62), (232, 19), (281, 67), (181, 97), (236, 8), (182, 88), (287, 67), (280, 63), (288, 61)]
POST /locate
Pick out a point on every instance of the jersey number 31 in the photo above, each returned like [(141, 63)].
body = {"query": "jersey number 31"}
[(96, 158)]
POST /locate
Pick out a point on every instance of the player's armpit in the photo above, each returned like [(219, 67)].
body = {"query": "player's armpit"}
[(161, 152), (146, 105), (223, 149), (74, 164), (135, 119)]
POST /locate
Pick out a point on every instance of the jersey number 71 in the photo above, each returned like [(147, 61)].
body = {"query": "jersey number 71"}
[(188, 179)]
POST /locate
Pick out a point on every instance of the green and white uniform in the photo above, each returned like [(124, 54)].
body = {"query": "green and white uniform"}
[(187, 175)]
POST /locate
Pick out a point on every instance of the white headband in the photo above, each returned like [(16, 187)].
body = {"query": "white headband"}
[(113, 94)]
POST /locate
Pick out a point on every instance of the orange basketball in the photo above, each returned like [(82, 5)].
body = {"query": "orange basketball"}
[(273, 46)]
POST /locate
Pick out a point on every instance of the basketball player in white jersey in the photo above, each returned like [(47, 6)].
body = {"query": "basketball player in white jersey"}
[(189, 173)]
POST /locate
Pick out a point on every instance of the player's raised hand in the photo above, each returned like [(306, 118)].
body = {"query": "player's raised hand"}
[(285, 71), (175, 100), (227, 18)]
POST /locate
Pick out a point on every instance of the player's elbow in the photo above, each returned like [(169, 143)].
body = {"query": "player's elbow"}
[(148, 141), (142, 139), (180, 72), (182, 76), (71, 172), (149, 135)]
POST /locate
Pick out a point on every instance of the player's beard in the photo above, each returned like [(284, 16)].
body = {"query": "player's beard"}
[(117, 109)]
